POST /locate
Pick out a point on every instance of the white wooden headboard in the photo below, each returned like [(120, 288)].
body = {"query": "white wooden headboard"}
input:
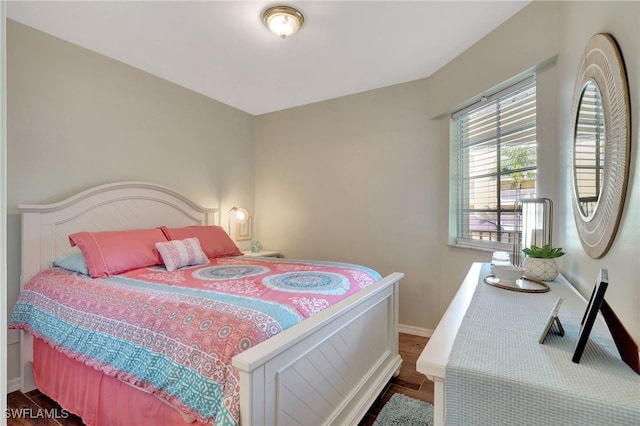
[(110, 207)]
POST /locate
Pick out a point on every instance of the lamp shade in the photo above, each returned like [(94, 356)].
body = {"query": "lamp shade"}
[(240, 214), (283, 21)]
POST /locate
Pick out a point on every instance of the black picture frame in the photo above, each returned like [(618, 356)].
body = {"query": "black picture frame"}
[(589, 317)]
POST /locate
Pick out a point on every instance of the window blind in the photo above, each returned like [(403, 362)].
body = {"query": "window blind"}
[(496, 149), (589, 149)]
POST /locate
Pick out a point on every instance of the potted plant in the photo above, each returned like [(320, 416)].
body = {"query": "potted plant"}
[(540, 263)]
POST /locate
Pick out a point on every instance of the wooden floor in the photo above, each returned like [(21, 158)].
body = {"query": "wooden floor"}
[(34, 408), (409, 382)]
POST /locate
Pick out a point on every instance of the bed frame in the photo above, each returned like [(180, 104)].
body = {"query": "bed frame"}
[(328, 369)]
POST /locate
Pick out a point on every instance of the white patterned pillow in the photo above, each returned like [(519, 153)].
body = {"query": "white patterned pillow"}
[(180, 253)]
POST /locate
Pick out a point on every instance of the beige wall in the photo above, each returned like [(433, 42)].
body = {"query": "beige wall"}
[(357, 179), (78, 119), (364, 178)]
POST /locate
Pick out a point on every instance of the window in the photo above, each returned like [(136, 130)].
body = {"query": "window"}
[(494, 157)]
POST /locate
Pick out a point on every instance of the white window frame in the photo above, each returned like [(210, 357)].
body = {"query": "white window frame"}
[(457, 215)]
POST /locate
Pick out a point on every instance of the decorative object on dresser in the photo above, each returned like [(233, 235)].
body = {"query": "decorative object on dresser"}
[(627, 347), (500, 258), (510, 277), (533, 225), (524, 285), (595, 302), (553, 319), (540, 262), (601, 144), (507, 273)]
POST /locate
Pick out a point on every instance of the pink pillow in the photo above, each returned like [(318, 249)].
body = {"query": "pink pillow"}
[(213, 239), (179, 253), (114, 252)]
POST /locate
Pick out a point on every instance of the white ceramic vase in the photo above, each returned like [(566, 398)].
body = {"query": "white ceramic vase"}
[(540, 269)]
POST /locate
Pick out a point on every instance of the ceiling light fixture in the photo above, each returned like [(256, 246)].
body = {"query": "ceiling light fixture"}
[(283, 21)]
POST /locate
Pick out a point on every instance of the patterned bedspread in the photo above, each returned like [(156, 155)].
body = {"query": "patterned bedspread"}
[(175, 333)]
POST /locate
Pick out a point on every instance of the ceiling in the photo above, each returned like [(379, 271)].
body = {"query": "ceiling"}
[(222, 49)]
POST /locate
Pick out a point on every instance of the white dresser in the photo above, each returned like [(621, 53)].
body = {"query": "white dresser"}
[(507, 377)]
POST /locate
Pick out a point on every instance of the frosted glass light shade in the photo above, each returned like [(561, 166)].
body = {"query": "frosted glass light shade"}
[(284, 21), (240, 214)]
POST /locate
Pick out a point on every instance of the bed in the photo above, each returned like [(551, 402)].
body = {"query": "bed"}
[(326, 369)]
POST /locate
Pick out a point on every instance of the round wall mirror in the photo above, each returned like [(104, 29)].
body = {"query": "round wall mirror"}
[(601, 140)]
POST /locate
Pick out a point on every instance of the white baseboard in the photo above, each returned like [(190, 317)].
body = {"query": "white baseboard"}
[(13, 385), (416, 331)]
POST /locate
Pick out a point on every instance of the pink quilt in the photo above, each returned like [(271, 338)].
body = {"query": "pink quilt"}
[(175, 333)]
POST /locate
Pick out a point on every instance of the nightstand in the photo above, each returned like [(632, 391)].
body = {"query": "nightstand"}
[(262, 253)]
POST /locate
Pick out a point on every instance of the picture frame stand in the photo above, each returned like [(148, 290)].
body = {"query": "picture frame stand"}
[(627, 347), (553, 319)]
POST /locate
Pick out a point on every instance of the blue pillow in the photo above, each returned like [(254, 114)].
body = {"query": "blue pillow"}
[(73, 262)]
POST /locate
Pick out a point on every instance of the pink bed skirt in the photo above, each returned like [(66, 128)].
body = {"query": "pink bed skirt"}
[(98, 399)]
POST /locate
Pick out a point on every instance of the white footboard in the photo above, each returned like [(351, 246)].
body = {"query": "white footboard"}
[(328, 369)]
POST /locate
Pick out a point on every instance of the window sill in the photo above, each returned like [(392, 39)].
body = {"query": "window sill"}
[(507, 248)]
